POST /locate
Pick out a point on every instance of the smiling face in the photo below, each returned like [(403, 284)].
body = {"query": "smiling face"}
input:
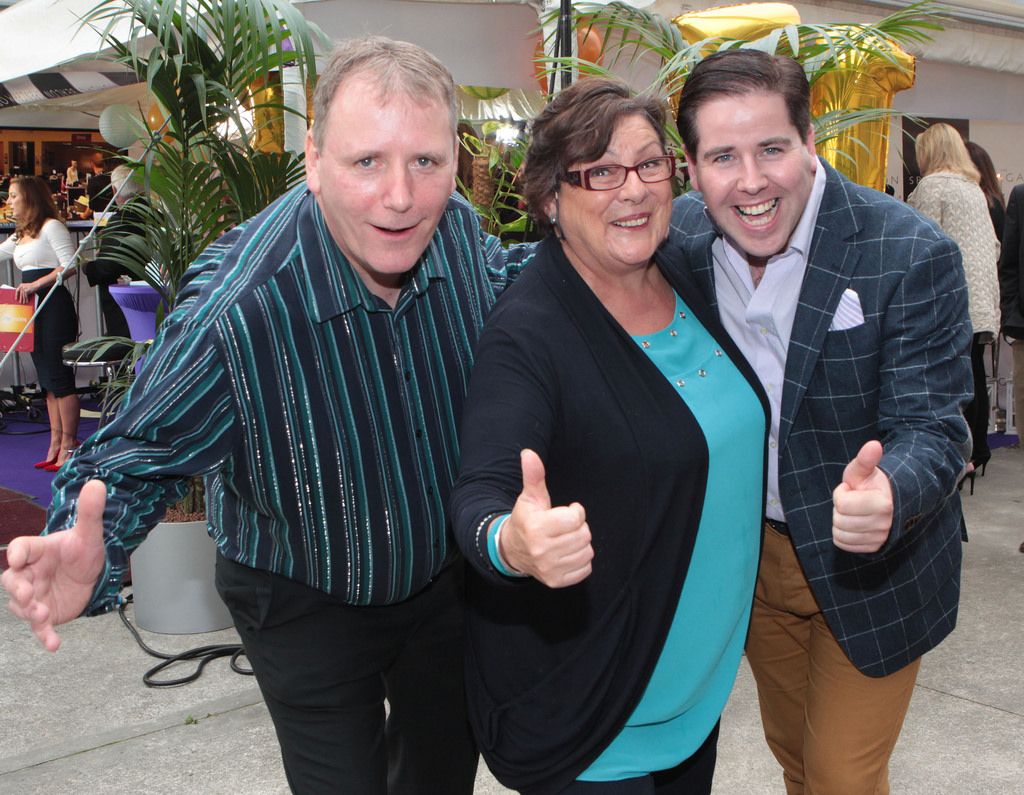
[(382, 178), (755, 169), (613, 232)]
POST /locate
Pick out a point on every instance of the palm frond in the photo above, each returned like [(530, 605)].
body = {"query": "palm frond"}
[(200, 59)]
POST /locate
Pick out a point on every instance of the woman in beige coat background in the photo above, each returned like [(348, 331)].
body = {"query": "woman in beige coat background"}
[(950, 194)]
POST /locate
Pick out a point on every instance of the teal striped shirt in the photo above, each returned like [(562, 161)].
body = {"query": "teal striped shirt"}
[(324, 421)]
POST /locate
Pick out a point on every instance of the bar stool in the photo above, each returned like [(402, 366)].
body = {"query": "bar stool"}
[(79, 354)]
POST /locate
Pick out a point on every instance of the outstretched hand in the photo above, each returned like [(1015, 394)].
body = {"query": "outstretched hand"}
[(550, 544), (863, 504), (50, 579)]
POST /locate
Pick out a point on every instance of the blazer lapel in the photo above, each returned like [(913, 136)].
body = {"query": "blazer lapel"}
[(691, 235), (830, 264)]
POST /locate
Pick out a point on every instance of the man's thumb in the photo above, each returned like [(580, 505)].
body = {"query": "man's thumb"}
[(535, 487), (92, 499), (863, 466)]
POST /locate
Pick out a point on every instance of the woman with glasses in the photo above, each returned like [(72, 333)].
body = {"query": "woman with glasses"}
[(610, 496)]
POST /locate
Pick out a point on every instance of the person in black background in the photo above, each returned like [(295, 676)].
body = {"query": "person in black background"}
[(1011, 296), (104, 270), (97, 186)]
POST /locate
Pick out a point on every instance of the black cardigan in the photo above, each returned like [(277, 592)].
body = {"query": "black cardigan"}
[(553, 674)]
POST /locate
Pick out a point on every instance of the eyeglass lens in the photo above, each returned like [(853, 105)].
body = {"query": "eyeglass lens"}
[(610, 177)]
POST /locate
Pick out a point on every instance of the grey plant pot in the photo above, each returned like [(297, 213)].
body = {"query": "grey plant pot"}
[(173, 581)]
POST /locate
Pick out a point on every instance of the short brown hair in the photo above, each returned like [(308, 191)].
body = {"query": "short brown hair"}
[(575, 127), (732, 73), (393, 65), (38, 203)]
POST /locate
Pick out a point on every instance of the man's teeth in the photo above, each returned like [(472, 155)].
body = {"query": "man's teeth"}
[(635, 222), (758, 214)]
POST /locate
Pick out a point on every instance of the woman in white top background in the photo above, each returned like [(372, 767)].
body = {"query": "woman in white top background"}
[(41, 247)]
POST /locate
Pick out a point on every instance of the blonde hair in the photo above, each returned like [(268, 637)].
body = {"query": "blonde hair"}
[(123, 180), (941, 148)]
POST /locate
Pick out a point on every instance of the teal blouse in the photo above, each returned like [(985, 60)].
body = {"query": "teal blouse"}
[(697, 668)]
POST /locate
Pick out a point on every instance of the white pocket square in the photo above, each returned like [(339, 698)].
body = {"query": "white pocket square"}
[(848, 313)]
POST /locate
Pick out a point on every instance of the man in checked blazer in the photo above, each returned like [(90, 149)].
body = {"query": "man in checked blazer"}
[(852, 309)]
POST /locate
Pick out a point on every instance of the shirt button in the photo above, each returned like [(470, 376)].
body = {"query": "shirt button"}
[(408, 375), (764, 331), (419, 433), (430, 491), (773, 502), (773, 444)]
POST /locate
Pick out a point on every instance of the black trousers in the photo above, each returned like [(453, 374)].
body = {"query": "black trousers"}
[(976, 412), (325, 669), (692, 776)]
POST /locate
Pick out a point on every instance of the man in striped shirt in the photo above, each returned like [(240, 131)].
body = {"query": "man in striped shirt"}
[(314, 371)]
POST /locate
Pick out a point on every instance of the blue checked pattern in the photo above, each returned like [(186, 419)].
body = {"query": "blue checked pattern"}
[(325, 422), (901, 377)]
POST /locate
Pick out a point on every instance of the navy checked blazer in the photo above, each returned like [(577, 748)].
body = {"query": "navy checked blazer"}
[(901, 377)]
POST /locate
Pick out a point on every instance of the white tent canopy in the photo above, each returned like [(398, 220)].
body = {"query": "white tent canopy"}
[(49, 71), (41, 35), (481, 43), (49, 64)]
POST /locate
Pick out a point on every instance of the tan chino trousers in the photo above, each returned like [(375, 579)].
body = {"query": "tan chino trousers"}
[(831, 727)]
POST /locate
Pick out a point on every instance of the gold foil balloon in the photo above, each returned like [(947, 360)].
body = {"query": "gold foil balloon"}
[(748, 22), (268, 116), (484, 92), (864, 81)]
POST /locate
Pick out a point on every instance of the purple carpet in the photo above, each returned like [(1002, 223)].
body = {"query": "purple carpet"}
[(22, 443), (997, 440)]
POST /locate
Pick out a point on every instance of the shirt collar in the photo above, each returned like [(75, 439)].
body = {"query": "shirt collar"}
[(334, 286), (804, 232)]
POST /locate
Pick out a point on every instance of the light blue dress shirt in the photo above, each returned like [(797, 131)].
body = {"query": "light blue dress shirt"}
[(760, 319)]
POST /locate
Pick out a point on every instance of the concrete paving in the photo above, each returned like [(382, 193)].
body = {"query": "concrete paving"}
[(81, 720)]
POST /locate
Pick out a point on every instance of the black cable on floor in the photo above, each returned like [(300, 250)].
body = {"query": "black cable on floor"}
[(201, 654)]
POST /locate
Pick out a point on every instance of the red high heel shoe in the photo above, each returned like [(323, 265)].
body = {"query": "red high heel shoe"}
[(45, 464), (60, 460)]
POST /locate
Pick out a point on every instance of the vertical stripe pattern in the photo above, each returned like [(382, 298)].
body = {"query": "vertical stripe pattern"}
[(324, 420)]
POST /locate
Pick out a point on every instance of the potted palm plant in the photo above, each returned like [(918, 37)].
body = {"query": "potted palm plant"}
[(648, 48), (211, 67), (833, 56)]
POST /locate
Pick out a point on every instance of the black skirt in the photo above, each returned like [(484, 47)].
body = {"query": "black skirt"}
[(56, 326)]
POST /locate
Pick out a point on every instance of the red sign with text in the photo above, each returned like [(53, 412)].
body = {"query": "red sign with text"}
[(14, 317)]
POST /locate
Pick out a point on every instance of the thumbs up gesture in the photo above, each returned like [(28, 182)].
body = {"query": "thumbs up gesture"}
[(550, 544), (862, 503), (50, 578)]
